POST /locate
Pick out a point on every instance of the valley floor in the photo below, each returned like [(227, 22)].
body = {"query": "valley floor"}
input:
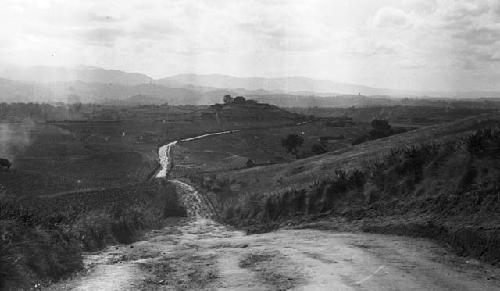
[(200, 254)]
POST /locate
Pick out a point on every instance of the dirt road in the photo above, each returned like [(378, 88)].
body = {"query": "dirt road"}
[(199, 254)]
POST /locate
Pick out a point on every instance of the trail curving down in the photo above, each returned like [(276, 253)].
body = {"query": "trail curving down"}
[(197, 253)]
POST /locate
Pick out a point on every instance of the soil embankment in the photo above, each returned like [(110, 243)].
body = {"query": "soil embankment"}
[(200, 254)]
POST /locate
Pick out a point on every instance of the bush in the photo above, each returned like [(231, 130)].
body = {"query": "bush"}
[(484, 142), (291, 143), (318, 149)]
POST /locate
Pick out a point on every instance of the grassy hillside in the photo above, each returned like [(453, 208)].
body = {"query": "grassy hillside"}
[(440, 182), (43, 238), (301, 173), (112, 146), (261, 145)]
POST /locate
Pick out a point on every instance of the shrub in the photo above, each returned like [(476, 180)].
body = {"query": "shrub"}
[(291, 143), (318, 149)]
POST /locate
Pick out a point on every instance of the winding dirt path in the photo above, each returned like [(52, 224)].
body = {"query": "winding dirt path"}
[(197, 253)]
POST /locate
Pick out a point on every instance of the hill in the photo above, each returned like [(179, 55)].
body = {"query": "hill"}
[(440, 182), (57, 83), (16, 91), (307, 86), (288, 84), (44, 74), (307, 171)]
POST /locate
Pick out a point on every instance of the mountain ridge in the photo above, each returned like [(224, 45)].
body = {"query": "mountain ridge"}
[(93, 84)]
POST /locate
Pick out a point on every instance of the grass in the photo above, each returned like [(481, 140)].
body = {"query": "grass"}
[(262, 146), (303, 173), (111, 145), (43, 238), (446, 190)]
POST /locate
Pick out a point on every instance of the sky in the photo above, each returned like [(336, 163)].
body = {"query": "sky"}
[(451, 45)]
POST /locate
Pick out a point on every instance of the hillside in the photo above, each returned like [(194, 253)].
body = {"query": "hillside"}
[(307, 171), (288, 84), (307, 86), (97, 85), (43, 74), (439, 182), (16, 91)]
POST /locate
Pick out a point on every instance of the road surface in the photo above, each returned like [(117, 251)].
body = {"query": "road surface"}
[(197, 253)]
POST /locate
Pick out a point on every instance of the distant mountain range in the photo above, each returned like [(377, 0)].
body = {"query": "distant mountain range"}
[(42, 74), (295, 85), (308, 86), (91, 84)]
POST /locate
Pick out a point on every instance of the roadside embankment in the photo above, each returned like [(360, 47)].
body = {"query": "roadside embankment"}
[(445, 191), (43, 238)]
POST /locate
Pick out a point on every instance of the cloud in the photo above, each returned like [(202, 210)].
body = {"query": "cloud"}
[(106, 18), (289, 35), (422, 7), (99, 36), (389, 17), (353, 41), (479, 35)]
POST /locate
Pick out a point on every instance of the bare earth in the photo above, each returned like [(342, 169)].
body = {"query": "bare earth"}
[(200, 254)]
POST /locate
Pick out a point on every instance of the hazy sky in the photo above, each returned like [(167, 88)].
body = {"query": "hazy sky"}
[(410, 44)]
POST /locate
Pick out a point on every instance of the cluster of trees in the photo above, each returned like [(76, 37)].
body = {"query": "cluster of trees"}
[(227, 99), (293, 142), (380, 128)]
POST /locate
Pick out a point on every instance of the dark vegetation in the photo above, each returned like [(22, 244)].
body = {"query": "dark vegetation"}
[(380, 129), (327, 102), (42, 239), (292, 143), (447, 191), (63, 148), (418, 112)]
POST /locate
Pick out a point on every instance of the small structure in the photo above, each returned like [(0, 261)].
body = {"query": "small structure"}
[(5, 164)]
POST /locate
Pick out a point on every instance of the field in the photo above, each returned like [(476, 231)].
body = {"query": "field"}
[(413, 115), (114, 146), (262, 146)]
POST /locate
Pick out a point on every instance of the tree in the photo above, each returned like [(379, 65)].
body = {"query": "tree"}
[(239, 100), (227, 99), (291, 143)]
